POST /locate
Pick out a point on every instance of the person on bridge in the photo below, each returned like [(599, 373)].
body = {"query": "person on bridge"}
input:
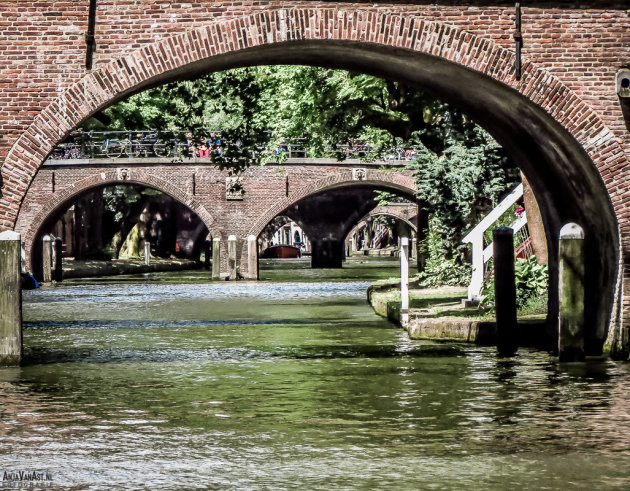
[(215, 144), (190, 145), (203, 150)]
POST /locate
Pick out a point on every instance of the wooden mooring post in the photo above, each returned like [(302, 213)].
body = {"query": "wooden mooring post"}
[(505, 291), (252, 257), (216, 258), (232, 272), (58, 269), (147, 253), (206, 254), (571, 293), (404, 281), (47, 258), (10, 299)]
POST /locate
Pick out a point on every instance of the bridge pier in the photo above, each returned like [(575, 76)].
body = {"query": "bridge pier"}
[(326, 253), (216, 258), (10, 299)]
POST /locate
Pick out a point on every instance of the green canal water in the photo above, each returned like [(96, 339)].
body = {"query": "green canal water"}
[(166, 382)]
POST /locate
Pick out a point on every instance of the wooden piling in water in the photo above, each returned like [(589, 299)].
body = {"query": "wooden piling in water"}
[(206, 253), (216, 258), (232, 272), (404, 281), (571, 293), (47, 258), (58, 269), (505, 291), (147, 253), (252, 257), (10, 299)]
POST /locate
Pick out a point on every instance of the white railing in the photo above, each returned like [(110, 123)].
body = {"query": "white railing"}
[(378, 236), (481, 256)]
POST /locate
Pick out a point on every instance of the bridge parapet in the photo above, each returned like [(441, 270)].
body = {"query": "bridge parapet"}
[(197, 161)]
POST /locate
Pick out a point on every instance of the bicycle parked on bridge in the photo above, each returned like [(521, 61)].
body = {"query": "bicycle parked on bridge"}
[(72, 149), (147, 145), (65, 151), (142, 145)]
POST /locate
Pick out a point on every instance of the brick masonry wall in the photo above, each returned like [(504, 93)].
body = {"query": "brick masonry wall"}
[(265, 188), (570, 58), (42, 48)]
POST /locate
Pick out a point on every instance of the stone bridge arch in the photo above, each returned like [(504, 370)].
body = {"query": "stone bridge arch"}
[(399, 213), (393, 182), (559, 141), (29, 227), (375, 179)]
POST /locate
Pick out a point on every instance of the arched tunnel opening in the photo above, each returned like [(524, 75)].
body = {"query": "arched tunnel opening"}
[(564, 179), (328, 216), (113, 221)]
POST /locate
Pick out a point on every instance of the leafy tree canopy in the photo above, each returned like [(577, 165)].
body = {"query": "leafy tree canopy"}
[(461, 171)]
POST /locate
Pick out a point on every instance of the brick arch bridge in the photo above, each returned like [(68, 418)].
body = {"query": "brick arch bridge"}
[(310, 191), (561, 121), (404, 215), (403, 212)]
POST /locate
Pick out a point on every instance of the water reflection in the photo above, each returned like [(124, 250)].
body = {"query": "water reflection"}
[(179, 386)]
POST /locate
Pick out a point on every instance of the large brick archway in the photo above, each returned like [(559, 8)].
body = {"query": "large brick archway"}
[(229, 43), (572, 159)]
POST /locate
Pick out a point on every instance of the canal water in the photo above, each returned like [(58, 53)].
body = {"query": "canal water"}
[(170, 383)]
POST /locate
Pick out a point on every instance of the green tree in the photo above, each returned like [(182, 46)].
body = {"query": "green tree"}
[(461, 171), (463, 183)]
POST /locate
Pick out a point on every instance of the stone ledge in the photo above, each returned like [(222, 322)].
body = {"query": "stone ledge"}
[(471, 331), (532, 333)]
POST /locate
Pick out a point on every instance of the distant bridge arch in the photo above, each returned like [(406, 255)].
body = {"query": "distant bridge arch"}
[(30, 226), (403, 185)]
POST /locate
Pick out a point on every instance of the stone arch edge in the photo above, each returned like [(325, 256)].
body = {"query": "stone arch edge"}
[(430, 37)]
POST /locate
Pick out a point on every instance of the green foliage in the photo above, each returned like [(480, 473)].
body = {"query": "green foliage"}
[(531, 287), (463, 184), (383, 198), (270, 103), (460, 170), (440, 269), (504, 220)]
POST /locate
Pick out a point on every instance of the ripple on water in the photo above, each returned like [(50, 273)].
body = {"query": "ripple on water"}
[(293, 385)]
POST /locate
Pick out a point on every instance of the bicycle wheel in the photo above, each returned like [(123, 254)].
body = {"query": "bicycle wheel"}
[(114, 149), (161, 149), (57, 153), (135, 149)]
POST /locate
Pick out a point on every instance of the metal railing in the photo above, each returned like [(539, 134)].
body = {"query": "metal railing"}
[(182, 144)]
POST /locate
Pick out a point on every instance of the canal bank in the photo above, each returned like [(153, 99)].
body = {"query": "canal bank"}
[(438, 314)]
